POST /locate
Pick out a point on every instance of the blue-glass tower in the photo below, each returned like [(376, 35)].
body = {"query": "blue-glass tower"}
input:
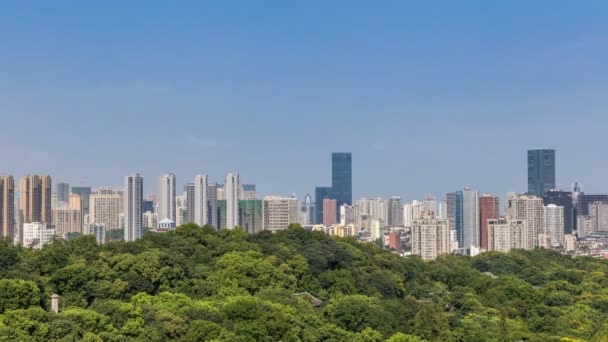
[(321, 193), (541, 171), (342, 179)]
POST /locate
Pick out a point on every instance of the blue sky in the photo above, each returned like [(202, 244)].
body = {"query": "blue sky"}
[(429, 96)]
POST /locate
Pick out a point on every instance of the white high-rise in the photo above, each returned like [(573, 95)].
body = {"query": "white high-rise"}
[(201, 200), (430, 236), (166, 197), (529, 208), (554, 226), (279, 212), (470, 218), (232, 187), (133, 199), (505, 234)]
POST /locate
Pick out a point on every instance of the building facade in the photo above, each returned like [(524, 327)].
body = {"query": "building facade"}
[(251, 215), (329, 212), (563, 199), (7, 207), (531, 209), (470, 219), (279, 212), (505, 234), (166, 197), (554, 226), (37, 234), (105, 208), (232, 188), (134, 196), (430, 237), (488, 209), (35, 198), (341, 179), (541, 171)]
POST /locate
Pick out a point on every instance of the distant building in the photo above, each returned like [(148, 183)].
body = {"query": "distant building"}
[(307, 211), (584, 226), (341, 179), (505, 234), (134, 185), (430, 237), (563, 199), (105, 208), (166, 197), (488, 209), (232, 188), (165, 225), (454, 202), (349, 214), (68, 217), (251, 215), (37, 234), (554, 226), (321, 193), (279, 212), (329, 212), (150, 219), (201, 201), (570, 242), (212, 205), (247, 192), (99, 231), (190, 202), (84, 192), (35, 198), (395, 212), (63, 192), (529, 208), (598, 213), (394, 240), (470, 219), (541, 171), (429, 204), (7, 207)]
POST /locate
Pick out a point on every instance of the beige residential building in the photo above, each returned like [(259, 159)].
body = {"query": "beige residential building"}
[(7, 206), (105, 207), (505, 234), (430, 236), (570, 242), (35, 198), (68, 218), (279, 212), (531, 209)]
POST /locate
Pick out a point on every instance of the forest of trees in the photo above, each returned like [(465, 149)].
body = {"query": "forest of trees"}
[(199, 284)]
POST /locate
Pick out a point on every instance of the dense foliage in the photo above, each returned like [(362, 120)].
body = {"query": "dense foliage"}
[(198, 284)]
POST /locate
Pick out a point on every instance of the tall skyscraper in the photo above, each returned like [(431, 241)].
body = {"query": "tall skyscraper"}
[(7, 207), (341, 178), (166, 197), (541, 171), (212, 205), (84, 193), (488, 209), (395, 212), (454, 212), (63, 192), (231, 189), (190, 201), (470, 218), (105, 207), (134, 196), (529, 208), (329, 212), (563, 199), (201, 201), (321, 193), (35, 198)]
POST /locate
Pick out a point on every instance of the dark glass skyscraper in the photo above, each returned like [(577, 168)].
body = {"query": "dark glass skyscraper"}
[(321, 193), (342, 178), (541, 171)]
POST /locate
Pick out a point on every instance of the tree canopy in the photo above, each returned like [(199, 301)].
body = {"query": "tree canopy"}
[(199, 284)]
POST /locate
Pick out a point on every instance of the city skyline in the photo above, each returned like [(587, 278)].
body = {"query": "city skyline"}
[(407, 88)]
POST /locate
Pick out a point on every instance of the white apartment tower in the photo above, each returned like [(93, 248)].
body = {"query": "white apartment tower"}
[(529, 208), (505, 234), (166, 197), (133, 198), (201, 200), (470, 218), (430, 236), (279, 212), (554, 225), (232, 187)]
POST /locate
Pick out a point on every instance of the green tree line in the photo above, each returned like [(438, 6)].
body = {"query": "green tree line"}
[(199, 284)]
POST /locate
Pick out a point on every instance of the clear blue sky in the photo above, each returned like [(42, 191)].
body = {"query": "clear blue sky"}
[(429, 96)]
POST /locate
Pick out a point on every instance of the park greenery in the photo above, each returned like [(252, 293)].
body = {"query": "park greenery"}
[(199, 284)]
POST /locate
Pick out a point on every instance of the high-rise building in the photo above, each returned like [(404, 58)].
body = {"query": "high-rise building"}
[(442, 210), (247, 192), (35, 198), (430, 237), (553, 234), (307, 211), (566, 200), (99, 231), (68, 217), (598, 213), (105, 207), (232, 188), (212, 205), (394, 240), (430, 204), (505, 234), (190, 189), (470, 219), (181, 211), (201, 201), (134, 196), (349, 215), (395, 212), (321, 193), (541, 171), (454, 215), (529, 208), (84, 192), (63, 192), (221, 214), (341, 179), (488, 209), (166, 197), (329, 212), (7, 207), (251, 215), (279, 212)]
